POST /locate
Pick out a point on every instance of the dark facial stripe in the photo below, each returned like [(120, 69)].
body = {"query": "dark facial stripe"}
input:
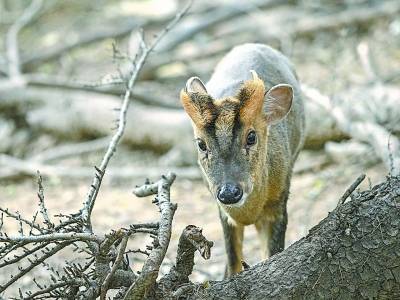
[(236, 126)]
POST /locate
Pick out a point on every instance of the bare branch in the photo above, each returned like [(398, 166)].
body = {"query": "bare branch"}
[(17, 216), (33, 264), (112, 87), (120, 256), (14, 68), (145, 51), (86, 38), (42, 206), (351, 189), (191, 239), (25, 167), (49, 237), (364, 130), (214, 17), (152, 265), (26, 253)]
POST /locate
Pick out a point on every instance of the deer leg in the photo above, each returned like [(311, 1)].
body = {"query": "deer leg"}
[(272, 232), (233, 236)]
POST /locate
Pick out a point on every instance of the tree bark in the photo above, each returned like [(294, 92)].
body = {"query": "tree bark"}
[(352, 254)]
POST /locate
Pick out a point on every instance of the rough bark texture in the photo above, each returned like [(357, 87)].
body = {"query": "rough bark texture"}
[(354, 253)]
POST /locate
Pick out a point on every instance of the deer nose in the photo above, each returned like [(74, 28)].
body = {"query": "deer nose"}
[(229, 193)]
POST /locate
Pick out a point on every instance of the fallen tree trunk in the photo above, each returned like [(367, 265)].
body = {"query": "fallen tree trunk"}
[(78, 114), (75, 113), (351, 254)]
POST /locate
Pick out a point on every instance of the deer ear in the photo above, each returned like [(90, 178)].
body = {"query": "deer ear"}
[(278, 102), (196, 102), (195, 85), (251, 97)]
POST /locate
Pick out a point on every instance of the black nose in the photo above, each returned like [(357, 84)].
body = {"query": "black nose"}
[(229, 193)]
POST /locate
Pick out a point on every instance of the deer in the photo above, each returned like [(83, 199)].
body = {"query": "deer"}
[(248, 123)]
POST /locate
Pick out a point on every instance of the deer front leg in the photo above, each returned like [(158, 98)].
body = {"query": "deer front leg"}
[(233, 236), (272, 233)]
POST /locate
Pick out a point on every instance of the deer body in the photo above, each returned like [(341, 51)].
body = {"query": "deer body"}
[(248, 121)]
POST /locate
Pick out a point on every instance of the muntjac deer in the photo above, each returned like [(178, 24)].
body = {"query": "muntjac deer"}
[(248, 122)]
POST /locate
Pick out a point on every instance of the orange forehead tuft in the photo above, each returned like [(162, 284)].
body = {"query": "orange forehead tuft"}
[(247, 105), (251, 97), (199, 107)]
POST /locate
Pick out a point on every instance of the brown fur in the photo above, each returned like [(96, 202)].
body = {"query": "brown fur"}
[(251, 96), (199, 107)]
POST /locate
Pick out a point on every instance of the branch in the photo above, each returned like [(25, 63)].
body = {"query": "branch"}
[(191, 240), (23, 167), (164, 98), (33, 264), (149, 273), (18, 217), (145, 51), (14, 68), (120, 256), (364, 129), (43, 209), (86, 38), (50, 237), (351, 189), (63, 151)]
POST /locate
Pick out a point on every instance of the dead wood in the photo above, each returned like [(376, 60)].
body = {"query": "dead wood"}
[(14, 167), (191, 26), (76, 114), (358, 115), (110, 29), (288, 25)]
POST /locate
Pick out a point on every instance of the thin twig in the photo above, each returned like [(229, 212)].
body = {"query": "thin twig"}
[(120, 256), (26, 253), (52, 287), (33, 264), (351, 189), (17, 217), (42, 206)]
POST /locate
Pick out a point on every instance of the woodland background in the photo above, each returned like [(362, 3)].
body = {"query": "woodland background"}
[(58, 97)]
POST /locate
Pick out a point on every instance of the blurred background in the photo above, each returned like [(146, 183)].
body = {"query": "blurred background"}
[(62, 68)]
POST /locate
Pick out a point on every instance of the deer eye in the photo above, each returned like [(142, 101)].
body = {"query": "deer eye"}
[(251, 138), (202, 145)]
